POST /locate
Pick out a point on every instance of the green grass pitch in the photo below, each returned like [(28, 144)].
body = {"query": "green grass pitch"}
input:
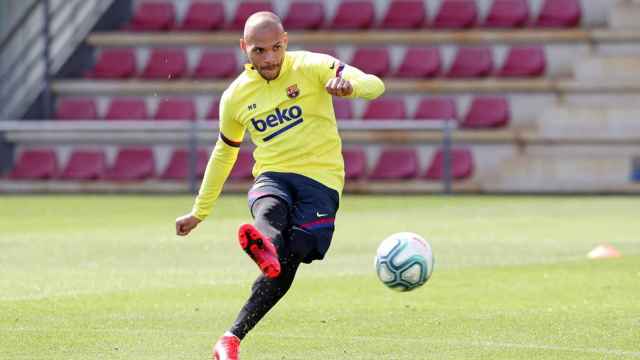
[(104, 277)]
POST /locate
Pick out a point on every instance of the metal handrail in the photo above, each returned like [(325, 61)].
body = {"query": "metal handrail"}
[(14, 29)]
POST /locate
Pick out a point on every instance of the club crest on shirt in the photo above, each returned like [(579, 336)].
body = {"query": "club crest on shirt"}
[(293, 91)]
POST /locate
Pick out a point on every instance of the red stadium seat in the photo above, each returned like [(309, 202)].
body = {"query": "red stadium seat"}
[(396, 164), (217, 64), (127, 109), (405, 14), (36, 164), (508, 14), (242, 170), (246, 9), (438, 108), (385, 108), (153, 16), (355, 163), (203, 16), (487, 112), (354, 15), (85, 165), (166, 64), (456, 14), (114, 64), (304, 15), (342, 108), (214, 110), (420, 63), (176, 109), (132, 164), (372, 60), (178, 168), (526, 61), (461, 161), (471, 62), (76, 109), (559, 13)]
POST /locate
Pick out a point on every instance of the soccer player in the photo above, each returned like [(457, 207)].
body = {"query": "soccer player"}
[(284, 99)]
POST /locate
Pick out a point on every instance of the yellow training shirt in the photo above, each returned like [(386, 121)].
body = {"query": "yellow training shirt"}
[(290, 120)]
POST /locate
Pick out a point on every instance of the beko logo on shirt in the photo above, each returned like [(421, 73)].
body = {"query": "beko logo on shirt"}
[(292, 116)]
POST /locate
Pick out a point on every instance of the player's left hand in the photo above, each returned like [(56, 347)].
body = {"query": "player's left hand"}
[(339, 87)]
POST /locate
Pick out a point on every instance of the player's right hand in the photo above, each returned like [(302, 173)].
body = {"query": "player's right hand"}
[(186, 223)]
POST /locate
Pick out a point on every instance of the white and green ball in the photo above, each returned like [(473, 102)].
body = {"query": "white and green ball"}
[(404, 261)]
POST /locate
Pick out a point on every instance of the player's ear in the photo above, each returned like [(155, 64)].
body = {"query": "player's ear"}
[(285, 40), (243, 45)]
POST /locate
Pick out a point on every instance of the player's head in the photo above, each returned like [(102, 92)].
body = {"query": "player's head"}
[(265, 42)]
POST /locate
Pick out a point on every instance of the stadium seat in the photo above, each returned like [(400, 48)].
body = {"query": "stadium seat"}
[(178, 168), (76, 109), (127, 109), (242, 170), (437, 108), (372, 60), (355, 163), (304, 15), (559, 13), (508, 14), (114, 64), (166, 64), (525, 61), (487, 112), (385, 108), (342, 108), (456, 14), (214, 110), (245, 9), (396, 164), (405, 14), (471, 62), (176, 109), (461, 161), (354, 15), (85, 165), (217, 64), (36, 164), (153, 16), (132, 164), (420, 63), (203, 16)]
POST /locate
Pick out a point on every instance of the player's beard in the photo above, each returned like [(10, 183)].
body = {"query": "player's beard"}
[(271, 72)]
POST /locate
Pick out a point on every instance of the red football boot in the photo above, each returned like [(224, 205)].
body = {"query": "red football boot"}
[(260, 249), (226, 348)]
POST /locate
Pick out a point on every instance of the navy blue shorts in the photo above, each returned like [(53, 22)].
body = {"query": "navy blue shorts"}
[(312, 209)]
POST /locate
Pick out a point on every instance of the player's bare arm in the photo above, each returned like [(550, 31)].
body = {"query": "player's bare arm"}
[(186, 223), (339, 86)]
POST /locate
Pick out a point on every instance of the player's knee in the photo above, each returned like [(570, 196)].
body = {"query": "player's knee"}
[(272, 210)]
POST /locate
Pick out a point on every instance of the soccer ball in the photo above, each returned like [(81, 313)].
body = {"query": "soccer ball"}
[(404, 261)]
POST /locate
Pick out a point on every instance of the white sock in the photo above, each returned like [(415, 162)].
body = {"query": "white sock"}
[(229, 333)]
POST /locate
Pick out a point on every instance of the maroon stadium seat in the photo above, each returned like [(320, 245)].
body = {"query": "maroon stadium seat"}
[(304, 15), (354, 15), (166, 64), (217, 64), (420, 63), (559, 13), (176, 109), (203, 16), (132, 164), (114, 64), (508, 14), (437, 108), (487, 112), (385, 108), (355, 163), (127, 109), (396, 164), (85, 165), (342, 108), (372, 60), (471, 62), (243, 166), (36, 164), (178, 168), (246, 9), (525, 61), (153, 16), (456, 14), (461, 161), (405, 14), (76, 109), (214, 110)]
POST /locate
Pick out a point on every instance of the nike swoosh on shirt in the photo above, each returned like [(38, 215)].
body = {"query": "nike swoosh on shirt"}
[(320, 215), (333, 65)]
